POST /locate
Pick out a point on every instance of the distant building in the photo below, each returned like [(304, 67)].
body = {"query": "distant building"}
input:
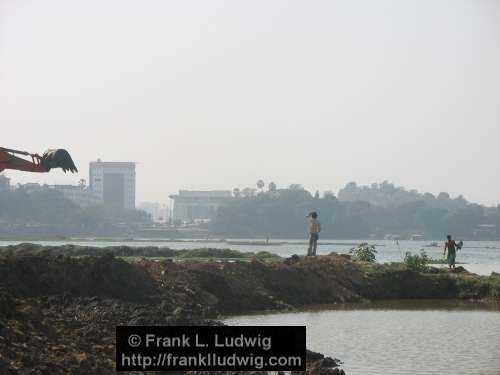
[(113, 183), (159, 212), (4, 183), (80, 195), (198, 205)]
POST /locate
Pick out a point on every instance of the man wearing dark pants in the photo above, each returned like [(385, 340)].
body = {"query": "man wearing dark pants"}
[(314, 229)]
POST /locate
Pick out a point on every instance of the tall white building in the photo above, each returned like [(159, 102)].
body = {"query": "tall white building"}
[(113, 183)]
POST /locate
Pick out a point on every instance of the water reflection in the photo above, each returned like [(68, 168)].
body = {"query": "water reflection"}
[(410, 337)]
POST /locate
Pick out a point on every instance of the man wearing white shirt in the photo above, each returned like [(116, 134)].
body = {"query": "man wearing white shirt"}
[(314, 229)]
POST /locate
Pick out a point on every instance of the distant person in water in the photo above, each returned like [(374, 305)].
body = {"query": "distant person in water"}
[(314, 229), (451, 246)]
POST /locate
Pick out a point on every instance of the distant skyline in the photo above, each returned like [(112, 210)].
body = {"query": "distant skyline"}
[(218, 94), (168, 202)]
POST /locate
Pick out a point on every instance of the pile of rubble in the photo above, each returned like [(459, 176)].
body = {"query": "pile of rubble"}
[(58, 314)]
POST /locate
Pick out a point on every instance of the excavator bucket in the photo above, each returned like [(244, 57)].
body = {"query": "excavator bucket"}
[(59, 158)]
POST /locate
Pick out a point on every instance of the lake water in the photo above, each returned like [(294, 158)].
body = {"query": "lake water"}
[(482, 257), (400, 338)]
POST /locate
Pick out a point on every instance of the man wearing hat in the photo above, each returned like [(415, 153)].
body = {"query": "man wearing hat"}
[(314, 229)]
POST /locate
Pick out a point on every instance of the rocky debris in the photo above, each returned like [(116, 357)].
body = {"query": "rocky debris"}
[(58, 314), (7, 305), (65, 335), (318, 364)]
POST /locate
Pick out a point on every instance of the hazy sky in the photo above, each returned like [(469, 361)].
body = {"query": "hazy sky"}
[(217, 94)]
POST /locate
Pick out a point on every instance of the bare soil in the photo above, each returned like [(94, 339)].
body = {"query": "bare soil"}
[(58, 313)]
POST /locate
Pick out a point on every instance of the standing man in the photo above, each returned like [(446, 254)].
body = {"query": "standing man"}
[(314, 229), (451, 246)]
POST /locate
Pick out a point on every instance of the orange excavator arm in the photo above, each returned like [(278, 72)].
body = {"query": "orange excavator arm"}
[(58, 158)]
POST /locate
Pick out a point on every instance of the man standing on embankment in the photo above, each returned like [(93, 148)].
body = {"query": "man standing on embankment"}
[(314, 229), (451, 246)]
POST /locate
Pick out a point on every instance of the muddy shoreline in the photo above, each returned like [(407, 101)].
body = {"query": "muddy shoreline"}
[(58, 312)]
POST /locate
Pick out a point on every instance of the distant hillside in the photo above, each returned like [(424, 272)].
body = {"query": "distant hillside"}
[(387, 194), (377, 211)]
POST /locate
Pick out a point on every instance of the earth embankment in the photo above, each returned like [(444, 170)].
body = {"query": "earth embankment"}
[(239, 287), (58, 312)]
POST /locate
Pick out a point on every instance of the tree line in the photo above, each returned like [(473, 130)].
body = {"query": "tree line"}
[(377, 211), (45, 211)]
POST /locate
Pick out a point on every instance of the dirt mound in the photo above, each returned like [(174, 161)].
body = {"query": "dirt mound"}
[(241, 287), (32, 275), (61, 335), (238, 287), (7, 305)]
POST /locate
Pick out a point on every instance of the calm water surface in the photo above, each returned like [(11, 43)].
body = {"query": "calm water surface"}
[(407, 339), (482, 257)]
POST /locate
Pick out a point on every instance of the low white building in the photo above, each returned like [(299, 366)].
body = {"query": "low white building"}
[(198, 205)]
